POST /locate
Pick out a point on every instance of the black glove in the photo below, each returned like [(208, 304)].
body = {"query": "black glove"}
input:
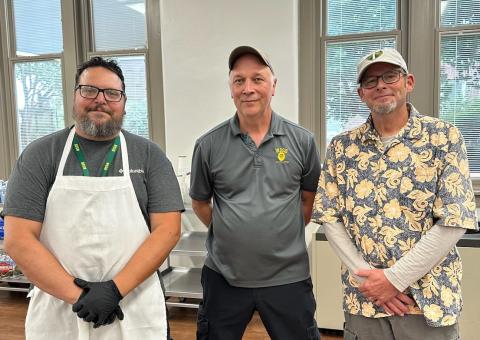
[(98, 302)]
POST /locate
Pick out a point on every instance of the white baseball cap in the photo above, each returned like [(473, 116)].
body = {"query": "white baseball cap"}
[(385, 55)]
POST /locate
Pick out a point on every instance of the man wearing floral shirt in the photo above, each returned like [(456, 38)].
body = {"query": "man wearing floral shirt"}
[(395, 196)]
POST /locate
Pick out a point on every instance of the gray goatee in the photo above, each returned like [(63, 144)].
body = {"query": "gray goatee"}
[(107, 129), (384, 109)]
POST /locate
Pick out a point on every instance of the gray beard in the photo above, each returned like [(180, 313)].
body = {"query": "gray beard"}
[(107, 129), (384, 109)]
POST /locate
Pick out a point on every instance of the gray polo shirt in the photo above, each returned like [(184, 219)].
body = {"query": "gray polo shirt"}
[(257, 235)]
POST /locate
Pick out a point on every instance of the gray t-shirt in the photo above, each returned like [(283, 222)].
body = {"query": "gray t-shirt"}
[(257, 234), (153, 178)]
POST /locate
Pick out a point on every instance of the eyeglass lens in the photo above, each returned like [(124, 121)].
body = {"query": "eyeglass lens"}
[(92, 92), (389, 77)]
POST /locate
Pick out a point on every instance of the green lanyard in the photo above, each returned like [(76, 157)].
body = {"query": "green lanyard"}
[(81, 156)]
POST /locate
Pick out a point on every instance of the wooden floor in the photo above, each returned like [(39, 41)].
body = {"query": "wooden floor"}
[(13, 307)]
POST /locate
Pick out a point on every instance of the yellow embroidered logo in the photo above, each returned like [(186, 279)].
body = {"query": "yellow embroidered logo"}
[(281, 154), (375, 55)]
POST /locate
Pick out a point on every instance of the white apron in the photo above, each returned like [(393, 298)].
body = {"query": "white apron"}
[(93, 226)]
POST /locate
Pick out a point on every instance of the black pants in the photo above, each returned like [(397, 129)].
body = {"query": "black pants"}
[(287, 311)]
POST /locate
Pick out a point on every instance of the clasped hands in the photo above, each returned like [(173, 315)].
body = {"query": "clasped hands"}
[(98, 303), (380, 291)]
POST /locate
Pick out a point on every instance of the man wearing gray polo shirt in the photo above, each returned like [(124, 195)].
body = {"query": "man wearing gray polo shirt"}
[(253, 183)]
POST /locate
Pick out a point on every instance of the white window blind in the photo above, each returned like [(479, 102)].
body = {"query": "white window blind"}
[(459, 12), (361, 16), (136, 119), (38, 27), (119, 24), (39, 100), (460, 90)]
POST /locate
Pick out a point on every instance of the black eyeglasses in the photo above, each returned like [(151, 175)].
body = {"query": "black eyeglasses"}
[(388, 77), (91, 92)]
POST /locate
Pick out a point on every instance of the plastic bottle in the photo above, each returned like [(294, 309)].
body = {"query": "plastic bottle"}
[(3, 189)]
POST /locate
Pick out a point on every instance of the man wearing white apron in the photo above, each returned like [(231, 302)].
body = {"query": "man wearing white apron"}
[(92, 214)]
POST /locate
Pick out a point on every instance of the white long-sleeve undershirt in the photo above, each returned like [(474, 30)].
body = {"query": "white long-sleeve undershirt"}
[(426, 253), (343, 246)]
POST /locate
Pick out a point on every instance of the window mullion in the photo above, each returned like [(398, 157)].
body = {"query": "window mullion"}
[(154, 70), (9, 121)]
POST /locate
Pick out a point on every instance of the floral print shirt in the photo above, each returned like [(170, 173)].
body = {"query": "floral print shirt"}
[(387, 198)]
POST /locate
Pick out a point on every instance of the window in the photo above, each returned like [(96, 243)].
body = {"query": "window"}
[(352, 31), (119, 32), (459, 12), (444, 57), (459, 73), (125, 31), (38, 27), (39, 99), (136, 120), (344, 108), (37, 69), (361, 16), (42, 44)]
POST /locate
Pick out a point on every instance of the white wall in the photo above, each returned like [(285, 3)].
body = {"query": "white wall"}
[(197, 37)]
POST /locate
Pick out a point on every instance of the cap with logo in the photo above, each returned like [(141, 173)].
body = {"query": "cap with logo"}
[(386, 55), (242, 50)]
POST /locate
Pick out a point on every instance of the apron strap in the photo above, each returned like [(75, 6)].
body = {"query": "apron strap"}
[(124, 150), (66, 151), (68, 147)]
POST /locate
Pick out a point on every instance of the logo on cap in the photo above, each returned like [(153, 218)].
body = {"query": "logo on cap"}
[(375, 55)]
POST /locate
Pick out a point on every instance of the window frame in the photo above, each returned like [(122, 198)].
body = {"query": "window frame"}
[(16, 59), (153, 62), (9, 60), (77, 47), (443, 32), (325, 39), (421, 52), (313, 44), (6, 139)]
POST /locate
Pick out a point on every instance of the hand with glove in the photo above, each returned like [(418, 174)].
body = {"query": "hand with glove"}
[(98, 303)]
